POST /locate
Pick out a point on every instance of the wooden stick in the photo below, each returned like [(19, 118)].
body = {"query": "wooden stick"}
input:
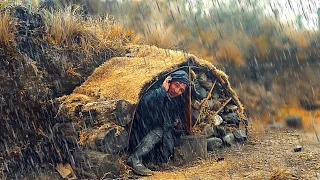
[(189, 123), (224, 104), (204, 102)]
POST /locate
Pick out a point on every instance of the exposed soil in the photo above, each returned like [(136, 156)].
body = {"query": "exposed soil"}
[(268, 154)]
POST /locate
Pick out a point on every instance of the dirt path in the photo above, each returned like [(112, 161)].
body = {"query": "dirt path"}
[(267, 155)]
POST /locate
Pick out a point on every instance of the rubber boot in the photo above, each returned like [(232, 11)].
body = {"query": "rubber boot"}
[(143, 148)]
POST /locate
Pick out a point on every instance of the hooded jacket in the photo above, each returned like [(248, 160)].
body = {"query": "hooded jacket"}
[(157, 109)]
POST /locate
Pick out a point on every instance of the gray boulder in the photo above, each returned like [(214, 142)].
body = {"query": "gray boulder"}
[(240, 135), (214, 143), (229, 139), (293, 121)]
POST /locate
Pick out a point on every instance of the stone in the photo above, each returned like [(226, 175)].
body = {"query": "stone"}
[(297, 148), (66, 131), (208, 131), (229, 139), (195, 113), (195, 90), (231, 108), (192, 147), (231, 118), (202, 77), (204, 81), (110, 142), (217, 120), (219, 159), (202, 92), (96, 165), (240, 135), (293, 121), (214, 143), (219, 131), (214, 95), (99, 113), (196, 104), (214, 104)]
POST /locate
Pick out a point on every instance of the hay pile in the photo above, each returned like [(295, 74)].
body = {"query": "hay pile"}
[(104, 105)]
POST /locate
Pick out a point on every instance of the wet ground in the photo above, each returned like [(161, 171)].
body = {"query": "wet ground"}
[(268, 154)]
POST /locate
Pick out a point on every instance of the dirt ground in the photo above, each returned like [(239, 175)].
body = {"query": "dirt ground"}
[(268, 154)]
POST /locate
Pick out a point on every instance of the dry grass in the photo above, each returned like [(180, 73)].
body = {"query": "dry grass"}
[(308, 117), (301, 39), (230, 51), (123, 78), (6, 29), (163, 39), (127, 77), (68, 28)]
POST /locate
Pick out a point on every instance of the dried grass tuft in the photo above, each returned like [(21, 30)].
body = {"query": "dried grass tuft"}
[(69, 28), (6, 29)]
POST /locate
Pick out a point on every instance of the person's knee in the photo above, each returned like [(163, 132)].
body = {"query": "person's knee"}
[(158, 133)]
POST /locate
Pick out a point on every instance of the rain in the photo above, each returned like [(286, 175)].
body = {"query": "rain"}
[(163, 89)]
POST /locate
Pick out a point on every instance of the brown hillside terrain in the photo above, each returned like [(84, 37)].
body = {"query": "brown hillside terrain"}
[(48, 60)]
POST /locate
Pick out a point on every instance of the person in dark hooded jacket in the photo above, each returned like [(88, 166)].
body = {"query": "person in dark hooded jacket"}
[(157, 123)]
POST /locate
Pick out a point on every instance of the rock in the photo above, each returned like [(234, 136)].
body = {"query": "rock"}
[(98, 113), (231, 118), (219, 159), (208, 131), (214, 104), (297, 148), (219, 131), (96, 165), (191, 148), (214, 143), (202, 92), (65, 171), (204, 81), (217, 120), (196, 104), (240, 135), (195, 90), (214, 95), (202, 77), (231, 108), (66, 131), (195, 113), (309, 105), (210, 103), (110, 142), (229, 139), (293, 121)]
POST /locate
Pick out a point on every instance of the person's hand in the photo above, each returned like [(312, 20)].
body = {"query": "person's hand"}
[(176, 122), (166, 83)]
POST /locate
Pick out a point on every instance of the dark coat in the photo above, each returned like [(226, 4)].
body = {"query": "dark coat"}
[(157, 109)]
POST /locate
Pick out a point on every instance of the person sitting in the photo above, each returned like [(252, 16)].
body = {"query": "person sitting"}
[(157, 126)]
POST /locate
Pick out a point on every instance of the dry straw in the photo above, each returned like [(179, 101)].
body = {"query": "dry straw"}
[(128, 78)]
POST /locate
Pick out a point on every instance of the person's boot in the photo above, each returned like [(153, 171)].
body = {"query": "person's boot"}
[(143, 148), (136, 165)]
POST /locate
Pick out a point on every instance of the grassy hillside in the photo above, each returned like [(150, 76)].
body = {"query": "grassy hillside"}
[(45, 54)]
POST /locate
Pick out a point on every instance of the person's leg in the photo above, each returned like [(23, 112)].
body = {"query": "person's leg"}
[(143, 148)]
